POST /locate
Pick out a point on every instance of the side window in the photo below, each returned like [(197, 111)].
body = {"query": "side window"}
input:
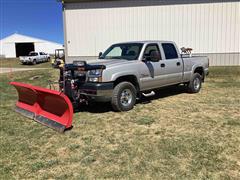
[(152, 49), (169, 51), (41, 53)]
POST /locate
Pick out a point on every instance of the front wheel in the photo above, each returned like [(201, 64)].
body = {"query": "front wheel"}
[(195, 84), (124, 97), (34, 62)]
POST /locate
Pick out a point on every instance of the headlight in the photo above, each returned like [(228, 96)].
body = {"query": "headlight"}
[(96, 79), (95, 75)]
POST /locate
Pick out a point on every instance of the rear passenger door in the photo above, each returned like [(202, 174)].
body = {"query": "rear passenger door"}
[(171, 65), (38, 57), (41, 56)]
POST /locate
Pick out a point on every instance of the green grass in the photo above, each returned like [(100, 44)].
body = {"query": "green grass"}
[(174, 135), (15, 63)]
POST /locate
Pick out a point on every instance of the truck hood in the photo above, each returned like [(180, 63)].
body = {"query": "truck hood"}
[(110, 62)]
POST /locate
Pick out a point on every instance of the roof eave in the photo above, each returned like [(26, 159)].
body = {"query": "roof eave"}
[(75, 1)]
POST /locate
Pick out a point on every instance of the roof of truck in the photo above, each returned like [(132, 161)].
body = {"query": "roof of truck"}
[(147, 41)]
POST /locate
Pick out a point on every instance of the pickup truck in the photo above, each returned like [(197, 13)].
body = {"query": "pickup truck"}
[(126, 71), (34, 58)]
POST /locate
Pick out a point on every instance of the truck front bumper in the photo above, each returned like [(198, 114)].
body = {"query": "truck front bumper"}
[(101, 92), (206, 72)]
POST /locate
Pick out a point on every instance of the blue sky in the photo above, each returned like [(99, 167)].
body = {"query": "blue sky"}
[(36, 18)]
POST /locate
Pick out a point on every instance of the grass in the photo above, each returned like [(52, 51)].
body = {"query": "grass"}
[(15, 63), (173, 135)]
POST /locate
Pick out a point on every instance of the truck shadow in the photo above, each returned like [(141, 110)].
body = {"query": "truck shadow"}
[(160, 94), (164, 93)]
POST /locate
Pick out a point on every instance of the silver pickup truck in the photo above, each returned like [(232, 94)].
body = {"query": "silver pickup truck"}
[(34, 58), (129, 70)]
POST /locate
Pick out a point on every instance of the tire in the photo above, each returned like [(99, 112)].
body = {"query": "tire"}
[(34, 62), (124, 97), (195, 84)]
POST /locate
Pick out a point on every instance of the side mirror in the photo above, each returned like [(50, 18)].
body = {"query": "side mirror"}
[(146, 59), (155, 56), (100, 54)]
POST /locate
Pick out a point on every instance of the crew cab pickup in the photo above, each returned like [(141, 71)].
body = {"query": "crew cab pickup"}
[(126, 71), (34, 58)]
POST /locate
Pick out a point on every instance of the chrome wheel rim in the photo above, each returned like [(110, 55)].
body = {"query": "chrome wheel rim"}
[(126, 97), (196, 83)]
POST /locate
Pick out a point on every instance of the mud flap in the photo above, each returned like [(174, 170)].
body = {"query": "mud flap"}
[(48, 107)]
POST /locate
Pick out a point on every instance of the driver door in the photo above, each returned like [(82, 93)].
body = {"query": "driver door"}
[(150, 74)]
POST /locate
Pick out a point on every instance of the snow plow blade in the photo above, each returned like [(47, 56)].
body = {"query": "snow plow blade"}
[(48, 107)]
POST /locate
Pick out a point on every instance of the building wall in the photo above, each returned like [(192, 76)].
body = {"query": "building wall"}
[(209, 28), (8, 50), (47, 47)]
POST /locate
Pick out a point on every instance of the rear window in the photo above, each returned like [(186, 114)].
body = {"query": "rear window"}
[(169, 51), (33, 54)]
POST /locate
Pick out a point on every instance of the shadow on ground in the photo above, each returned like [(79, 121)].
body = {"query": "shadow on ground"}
[(159, 94)]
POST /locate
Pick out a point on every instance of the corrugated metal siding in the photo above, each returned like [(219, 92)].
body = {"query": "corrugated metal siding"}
[(209, 28)]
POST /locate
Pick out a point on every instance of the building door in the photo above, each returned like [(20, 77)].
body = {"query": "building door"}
[(23, 49)]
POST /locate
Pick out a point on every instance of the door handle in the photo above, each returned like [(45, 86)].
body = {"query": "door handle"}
[(162, 65), (178, 63)]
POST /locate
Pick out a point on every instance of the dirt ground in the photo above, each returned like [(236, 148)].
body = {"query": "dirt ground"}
[(9, 70), (173, 135)]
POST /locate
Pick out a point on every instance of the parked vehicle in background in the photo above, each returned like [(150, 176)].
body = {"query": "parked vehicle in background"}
[(34, 58), (59, 59)]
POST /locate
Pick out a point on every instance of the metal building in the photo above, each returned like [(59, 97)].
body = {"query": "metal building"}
[(20, 45), (210, 27)]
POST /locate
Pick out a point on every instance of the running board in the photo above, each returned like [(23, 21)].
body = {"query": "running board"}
[(152, 93)]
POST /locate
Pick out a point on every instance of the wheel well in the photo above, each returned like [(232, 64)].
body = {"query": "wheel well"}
[(200, 71), (129, 78)]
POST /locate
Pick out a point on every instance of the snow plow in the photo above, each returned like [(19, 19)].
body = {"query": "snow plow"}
[(48, 107), (55, 108)]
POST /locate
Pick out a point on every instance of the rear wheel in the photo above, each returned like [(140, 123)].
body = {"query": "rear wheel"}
[(124, 97), (195, 84)]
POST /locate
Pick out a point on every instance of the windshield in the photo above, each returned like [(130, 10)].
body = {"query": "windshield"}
[(128, 51), (33, 54)]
